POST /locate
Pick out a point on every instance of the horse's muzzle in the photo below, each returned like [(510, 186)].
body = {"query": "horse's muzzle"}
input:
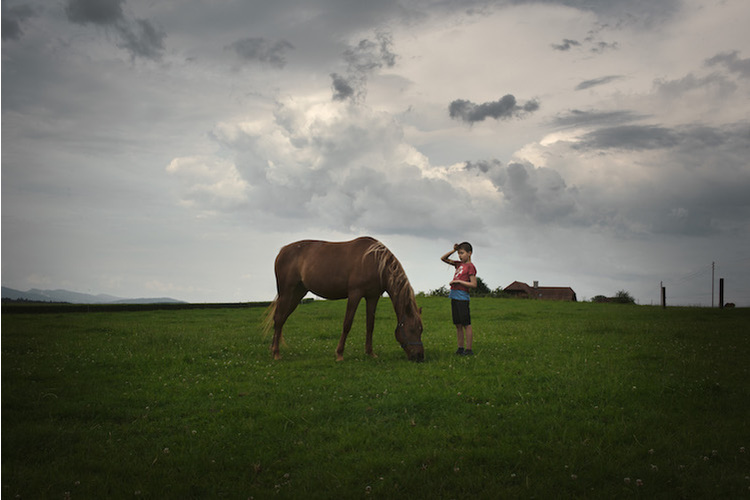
[(414, 351)]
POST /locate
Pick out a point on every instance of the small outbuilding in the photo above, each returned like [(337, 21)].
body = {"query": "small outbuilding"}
[(524, 291)]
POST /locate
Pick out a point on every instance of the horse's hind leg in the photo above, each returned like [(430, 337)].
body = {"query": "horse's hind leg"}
[(286, 303)]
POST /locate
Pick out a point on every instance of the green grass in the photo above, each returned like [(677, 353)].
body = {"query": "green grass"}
[(562, 400)]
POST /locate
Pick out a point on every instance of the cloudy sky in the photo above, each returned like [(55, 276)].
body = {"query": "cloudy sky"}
[(171, 148)]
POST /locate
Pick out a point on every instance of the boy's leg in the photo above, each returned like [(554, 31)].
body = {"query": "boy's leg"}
[(469, 337), (460, 336)]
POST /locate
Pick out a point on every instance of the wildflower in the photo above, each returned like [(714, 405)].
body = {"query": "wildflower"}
[(574, 476), (654, 468), (627, 480), (368, 490), (165, 451), (638, 482)]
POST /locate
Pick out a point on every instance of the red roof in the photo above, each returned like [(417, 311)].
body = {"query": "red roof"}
[(522, 290)]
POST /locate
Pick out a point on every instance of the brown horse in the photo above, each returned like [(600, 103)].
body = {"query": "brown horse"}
[(352, 270)]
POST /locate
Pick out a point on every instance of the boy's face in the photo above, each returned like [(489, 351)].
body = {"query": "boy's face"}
[(463, 255)]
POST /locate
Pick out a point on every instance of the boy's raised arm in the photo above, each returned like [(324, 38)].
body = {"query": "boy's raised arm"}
[(445, 258)]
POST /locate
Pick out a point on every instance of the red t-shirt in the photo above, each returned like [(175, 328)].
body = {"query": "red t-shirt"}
[(463, 271)]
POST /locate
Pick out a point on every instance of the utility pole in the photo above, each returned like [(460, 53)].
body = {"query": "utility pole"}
[(713, 268)]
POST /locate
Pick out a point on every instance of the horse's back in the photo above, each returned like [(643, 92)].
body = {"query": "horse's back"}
[(304, 248), (323, 267)]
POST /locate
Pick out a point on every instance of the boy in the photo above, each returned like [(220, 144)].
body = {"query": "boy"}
[(464, 278)]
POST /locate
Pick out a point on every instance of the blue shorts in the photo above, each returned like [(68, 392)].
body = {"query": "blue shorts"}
[(461, 312)]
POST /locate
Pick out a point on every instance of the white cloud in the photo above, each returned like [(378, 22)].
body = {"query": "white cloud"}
[(343, 165), (211, 183)]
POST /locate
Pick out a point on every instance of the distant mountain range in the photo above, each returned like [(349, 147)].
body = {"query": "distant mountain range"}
[(36, 295)]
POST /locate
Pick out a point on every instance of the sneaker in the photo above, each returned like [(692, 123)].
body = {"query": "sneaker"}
[(460, 351), (468, 352)]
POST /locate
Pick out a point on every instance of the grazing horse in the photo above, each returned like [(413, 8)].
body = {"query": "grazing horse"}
[(352, 270)]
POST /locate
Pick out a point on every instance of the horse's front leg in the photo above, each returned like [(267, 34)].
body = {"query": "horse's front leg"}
[(372, 304), (351, 309)]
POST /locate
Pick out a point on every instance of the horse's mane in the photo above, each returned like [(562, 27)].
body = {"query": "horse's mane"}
[(392, 272)]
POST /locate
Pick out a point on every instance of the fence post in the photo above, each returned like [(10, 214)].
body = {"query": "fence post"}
[(664, 297), (721, 293)]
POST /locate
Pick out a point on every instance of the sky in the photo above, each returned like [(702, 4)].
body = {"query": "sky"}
[(171, 148)]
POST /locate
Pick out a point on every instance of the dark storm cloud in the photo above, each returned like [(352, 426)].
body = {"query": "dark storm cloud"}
[(483, 166), (717, 83), (102, 12), (138, 36), (644, 12), (578, 118), (601, 47), (589, 43), (698, 185), (587, 84), (361, 60), (693, 138), (342, 89), (142, 39), (260, 49), (369, 55), (13, 18), (630, 137), (538, 193), (732, 62), (566, 45), (502, 109)]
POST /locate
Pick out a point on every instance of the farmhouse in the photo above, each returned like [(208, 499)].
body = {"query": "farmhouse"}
[(524, 291)]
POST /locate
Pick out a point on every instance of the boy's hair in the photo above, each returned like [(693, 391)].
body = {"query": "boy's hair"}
[(466, 247)]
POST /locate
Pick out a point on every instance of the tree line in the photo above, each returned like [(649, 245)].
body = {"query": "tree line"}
[(482, 290)]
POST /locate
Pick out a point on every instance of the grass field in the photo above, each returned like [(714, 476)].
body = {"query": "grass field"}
[(562, 400)]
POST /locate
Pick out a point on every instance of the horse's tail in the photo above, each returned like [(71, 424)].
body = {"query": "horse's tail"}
[(268, 317)]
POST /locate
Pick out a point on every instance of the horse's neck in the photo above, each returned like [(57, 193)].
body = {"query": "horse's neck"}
[(396, 284), (402, 298)]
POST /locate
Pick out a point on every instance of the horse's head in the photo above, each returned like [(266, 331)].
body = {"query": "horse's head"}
[(409, 335)]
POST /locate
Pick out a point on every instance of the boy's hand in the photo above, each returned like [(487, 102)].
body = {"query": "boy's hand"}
[(455, 247)]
